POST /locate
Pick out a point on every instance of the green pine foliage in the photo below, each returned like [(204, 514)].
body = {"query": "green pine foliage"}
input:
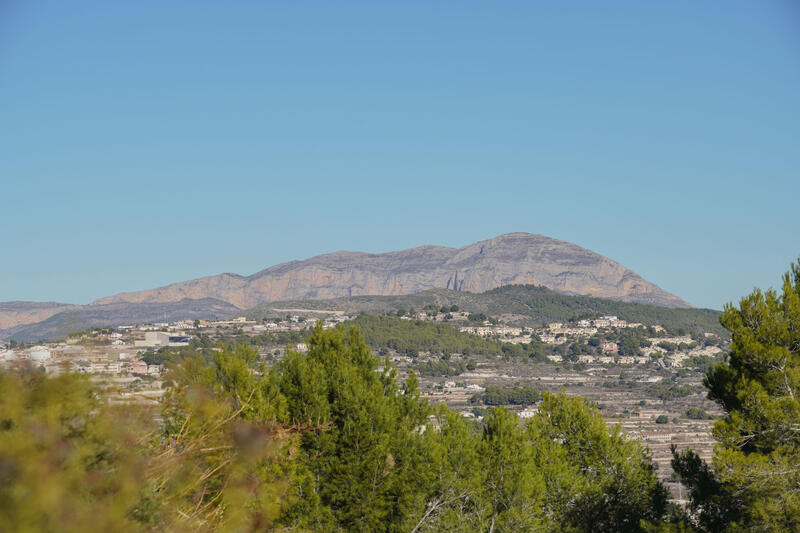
[(363, 456), (600, 479), (71, 461), (754, 484), (328, 440), (67, 462), (381, 459), (494, 395)]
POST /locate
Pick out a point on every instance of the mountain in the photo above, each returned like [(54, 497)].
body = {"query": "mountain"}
[(514, 258)]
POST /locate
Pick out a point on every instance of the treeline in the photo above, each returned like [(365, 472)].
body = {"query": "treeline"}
[(696, 413), (323, 441), (665, 392), (493, 395)]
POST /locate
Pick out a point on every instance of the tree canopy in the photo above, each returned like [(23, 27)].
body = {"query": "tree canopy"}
[(755, 480), (328, 440)]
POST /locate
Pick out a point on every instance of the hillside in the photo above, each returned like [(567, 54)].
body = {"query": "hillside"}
[(526, 305), (18, 313), (514, 258), (79, 318), (412, 336)]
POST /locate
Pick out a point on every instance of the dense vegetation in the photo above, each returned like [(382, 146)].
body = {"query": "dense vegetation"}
[(754, 483), (696, 413), (440, 368), (494, 395), (323, 441), (71, 462), (410, 337), (664, 391)]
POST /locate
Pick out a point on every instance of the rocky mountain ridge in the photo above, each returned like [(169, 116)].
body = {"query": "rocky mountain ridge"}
[(514, 258), (511, 259)]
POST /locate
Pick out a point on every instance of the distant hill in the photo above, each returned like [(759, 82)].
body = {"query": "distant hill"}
[(20, 313), (515, 258), (79, 318), (527, 305)]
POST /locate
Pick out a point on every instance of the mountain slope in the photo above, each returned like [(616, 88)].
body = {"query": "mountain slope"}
[(514, 258), (523, 305), (19, 313), (79, 318)]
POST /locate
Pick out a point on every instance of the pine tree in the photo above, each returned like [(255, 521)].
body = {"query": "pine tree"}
[(597, 479), (755, 482), (363, 458)]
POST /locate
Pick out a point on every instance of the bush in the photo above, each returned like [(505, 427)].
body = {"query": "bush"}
[(695, 413), (494, 395)]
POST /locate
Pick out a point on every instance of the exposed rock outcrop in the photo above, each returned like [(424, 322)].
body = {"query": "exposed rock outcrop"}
[(514, 258)]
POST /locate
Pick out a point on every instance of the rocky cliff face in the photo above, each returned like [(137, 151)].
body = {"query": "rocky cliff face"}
[(515, 258)]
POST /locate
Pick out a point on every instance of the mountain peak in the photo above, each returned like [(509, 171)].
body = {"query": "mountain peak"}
[(511, 258)]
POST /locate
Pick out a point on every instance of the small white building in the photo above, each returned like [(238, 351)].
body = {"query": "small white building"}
[(39, 353), (8, 355), (153, 339)]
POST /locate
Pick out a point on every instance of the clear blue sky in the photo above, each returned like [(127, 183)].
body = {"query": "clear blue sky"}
[(143, 143)]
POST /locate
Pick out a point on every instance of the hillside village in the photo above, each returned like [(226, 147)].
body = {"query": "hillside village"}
[(124, 356), (121, 350), (124, 350), (659, 344)]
